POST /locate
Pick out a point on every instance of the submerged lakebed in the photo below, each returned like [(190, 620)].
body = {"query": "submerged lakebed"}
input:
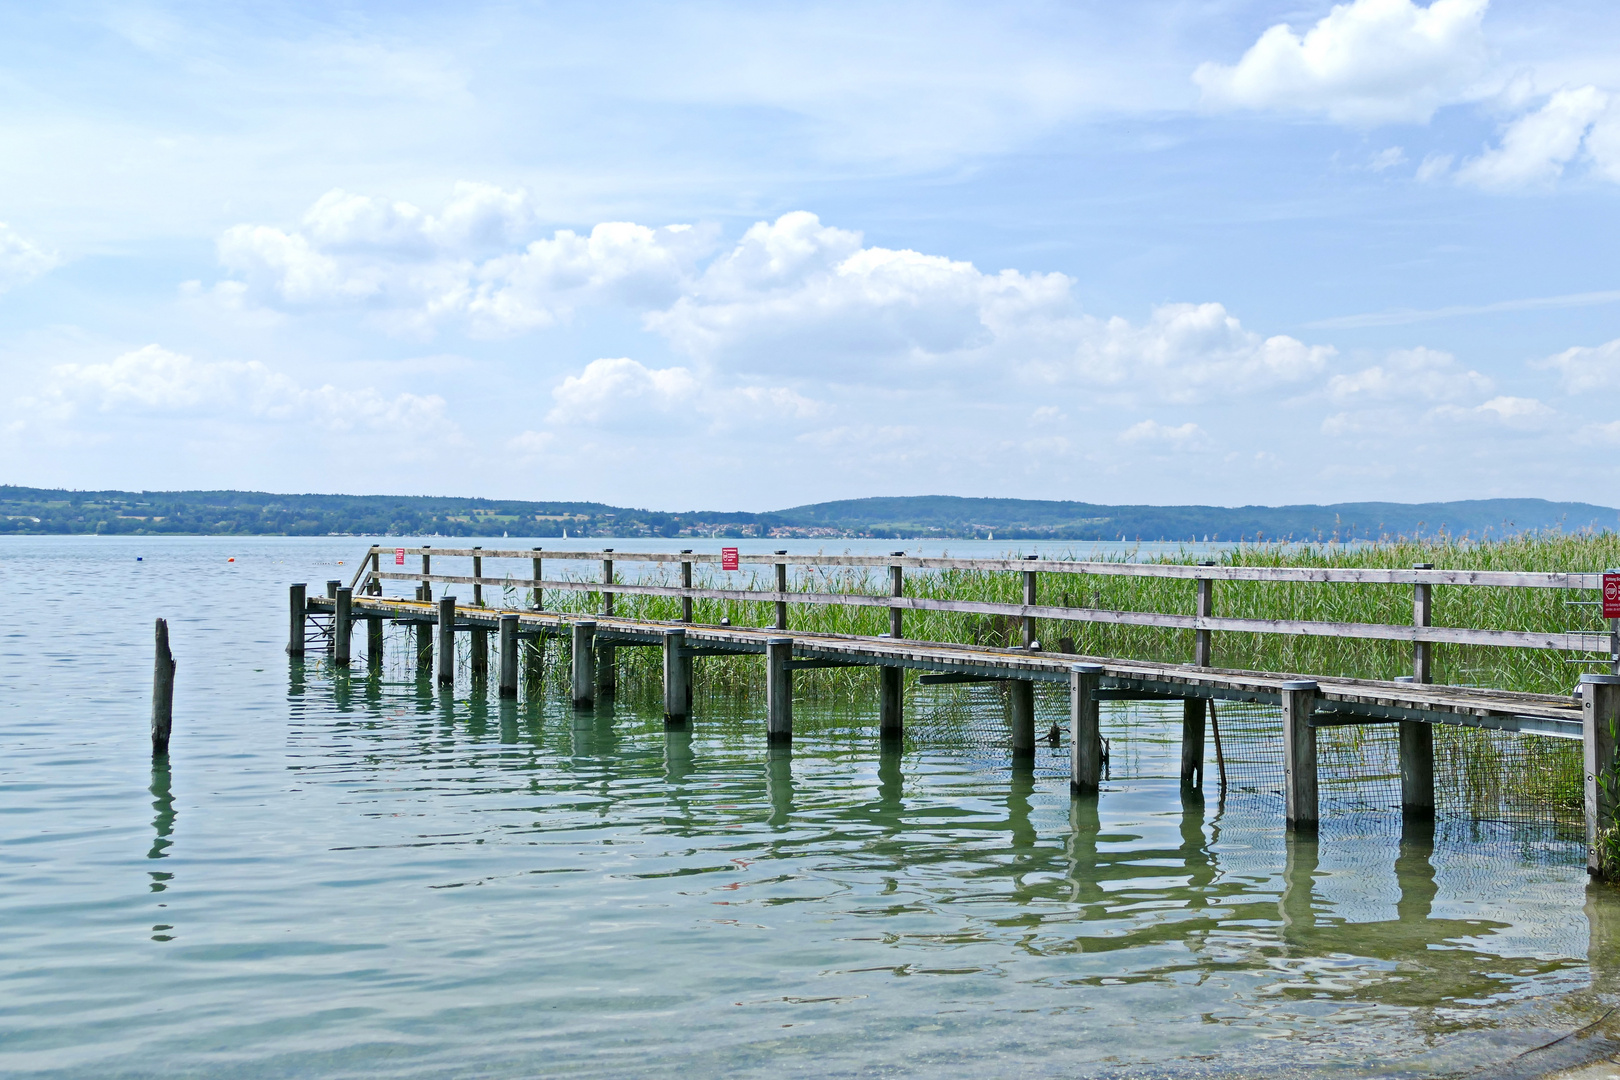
[(341, 875)]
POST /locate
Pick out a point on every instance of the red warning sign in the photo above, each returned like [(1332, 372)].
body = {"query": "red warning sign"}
[(728, 561), (1611, 596), (399, 556)]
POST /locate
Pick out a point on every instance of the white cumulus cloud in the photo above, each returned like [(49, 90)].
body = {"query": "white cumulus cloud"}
[(1586, 368), (1365, 62), (1536, 147)]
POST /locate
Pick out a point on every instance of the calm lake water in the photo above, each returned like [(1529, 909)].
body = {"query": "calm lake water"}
[(341, 876)]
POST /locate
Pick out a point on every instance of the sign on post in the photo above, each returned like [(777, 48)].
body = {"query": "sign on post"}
[(399, 556), (1611, 595), (728, 561)]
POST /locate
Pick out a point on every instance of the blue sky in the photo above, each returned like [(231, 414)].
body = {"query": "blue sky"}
[(749, 256)]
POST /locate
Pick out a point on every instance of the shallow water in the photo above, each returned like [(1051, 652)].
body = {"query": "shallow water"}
[(342, 876)]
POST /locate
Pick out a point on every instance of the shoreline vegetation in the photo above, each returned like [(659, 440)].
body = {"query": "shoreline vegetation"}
[(56, 511)]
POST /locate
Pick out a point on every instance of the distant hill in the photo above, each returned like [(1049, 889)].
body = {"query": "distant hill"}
[(237, 513)]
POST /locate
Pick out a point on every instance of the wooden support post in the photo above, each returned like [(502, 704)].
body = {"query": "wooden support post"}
[(1600, 719), (781, 587), (447, 641), (891, 702), (1417, 770), (1203, 644), (374, 642), (1085, 729), (478, 578), (677, 698), (427, 568), (534, 666), (1192, 743), (1299, 754), (584, 664), (1422, 613), (342, 626), (778, 690), (480, 652), (332, 587), (607, 579), (297, 606), (1029, 620), (509, 654), (374, 586), (162, 692), (539, 597), (897, 587), (607, 670), (424, 646), (686, 583), (1021, 717)]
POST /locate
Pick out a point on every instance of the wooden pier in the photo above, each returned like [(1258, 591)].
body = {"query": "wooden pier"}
[(1308, 703)]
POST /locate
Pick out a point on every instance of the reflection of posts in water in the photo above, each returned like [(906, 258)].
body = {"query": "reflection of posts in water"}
[(1603, 941), (1195, 853), (1299, 879), (891, 804), (779, 783), (1018, 792), (1414, 871), (508, 713), (162, 821), (678, 762), (1084, 825), (295, 676)]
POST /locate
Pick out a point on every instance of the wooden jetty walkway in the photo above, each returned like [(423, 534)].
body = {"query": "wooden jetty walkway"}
[(1308, 703)]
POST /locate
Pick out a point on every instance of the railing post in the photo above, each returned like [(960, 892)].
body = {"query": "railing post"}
[(1299, 754), (342, 626), (539, 595), (1029, 620), (427, 570), (1085, 729), (897, 587), (297, 606), (781, 587), (478, 578), (675, 673), (892, 680), (447, 641), (778, 690), (1600, 717), (1416, 737), (1203, 644), (374, 586), (1422, 614), (509, 654), (584, 664), (607, 579), (686, 583)]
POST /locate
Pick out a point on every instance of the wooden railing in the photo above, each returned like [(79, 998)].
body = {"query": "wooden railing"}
[(1420, 633)]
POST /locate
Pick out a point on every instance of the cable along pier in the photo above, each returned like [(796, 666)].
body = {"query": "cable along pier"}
[(1308, 704)]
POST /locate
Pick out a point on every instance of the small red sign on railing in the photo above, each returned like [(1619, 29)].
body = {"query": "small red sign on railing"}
[(399, 556), (728, 560), (1611, 596)]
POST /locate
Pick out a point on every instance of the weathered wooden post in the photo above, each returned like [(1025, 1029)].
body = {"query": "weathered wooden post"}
[(332, 587), (1192, 743), (479, 652), (1299, 754), (447, 641), (781, 587), (677, 697), (539, 594), (509, 654), (584, 664), (162, 692), (424, 643), (478, 577), (342, 626), (297, 606), (534, 670), (607, 579), (686, 584), (374, 642), (1085, 729), (1203, 644), (1029, 601), (1600, 719), (607, 668), (892, 680), (1416, 737), (1021, 717), (427, 570), (778, 690), (374, 586)]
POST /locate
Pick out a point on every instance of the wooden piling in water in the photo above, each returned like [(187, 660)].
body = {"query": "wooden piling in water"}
[(1299, 754), (1021, 716), (1416, 737), (479, 652), (1085, 729), (1192, 743), (677, 695), (162, 691), (342, 626), (1600, 716), (892, 680), (509, 654), (607, 666), (297, 608), (447, 641), (534, 669), (778, 690), (374, 642), (584, 664)]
